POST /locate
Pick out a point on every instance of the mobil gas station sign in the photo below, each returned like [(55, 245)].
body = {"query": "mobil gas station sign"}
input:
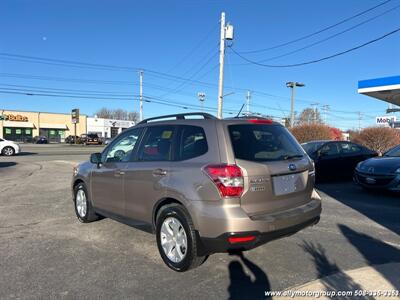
[(385, 120)]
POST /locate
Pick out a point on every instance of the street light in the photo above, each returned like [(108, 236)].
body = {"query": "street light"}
[(293, 86), (202, 98)]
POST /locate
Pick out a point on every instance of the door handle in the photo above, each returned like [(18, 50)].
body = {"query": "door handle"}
[(159, 172), (118, 173)]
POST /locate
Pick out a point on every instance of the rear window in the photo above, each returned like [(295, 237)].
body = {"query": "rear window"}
[(310, 148), (263, 142)]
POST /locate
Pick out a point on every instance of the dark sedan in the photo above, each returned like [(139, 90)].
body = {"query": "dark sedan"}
[(90, 139), (71, 139), (336, 159), (380, 172), (40, 140)]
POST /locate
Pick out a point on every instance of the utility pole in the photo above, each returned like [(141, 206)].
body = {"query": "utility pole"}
[(221, 66), (202, 98), (226, 34), (315, 105), (293, 86), (325, 109), (248, 98), (359, 120), (141, 95)]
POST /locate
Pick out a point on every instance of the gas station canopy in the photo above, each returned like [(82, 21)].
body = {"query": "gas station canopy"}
[(386, 89)]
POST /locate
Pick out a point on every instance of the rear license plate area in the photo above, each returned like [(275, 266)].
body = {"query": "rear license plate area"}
[(290, 183)]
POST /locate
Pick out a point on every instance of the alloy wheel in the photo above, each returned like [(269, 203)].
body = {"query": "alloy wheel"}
[(81, 203), (173, 239)]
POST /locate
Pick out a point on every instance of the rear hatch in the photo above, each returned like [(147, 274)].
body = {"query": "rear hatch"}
[(275, 168)]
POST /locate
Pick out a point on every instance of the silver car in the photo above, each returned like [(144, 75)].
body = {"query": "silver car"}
[(201, 185)]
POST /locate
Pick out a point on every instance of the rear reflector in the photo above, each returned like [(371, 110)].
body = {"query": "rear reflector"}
[(227, 178), (241, 239), (260, 121)]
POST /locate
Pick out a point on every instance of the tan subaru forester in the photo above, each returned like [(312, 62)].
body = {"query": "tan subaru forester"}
[(201, 184)]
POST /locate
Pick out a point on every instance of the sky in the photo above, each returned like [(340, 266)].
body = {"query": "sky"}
[(176, 43)]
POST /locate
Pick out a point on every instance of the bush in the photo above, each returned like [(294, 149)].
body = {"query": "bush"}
[(379, 139), (336, 134), (311, 132)]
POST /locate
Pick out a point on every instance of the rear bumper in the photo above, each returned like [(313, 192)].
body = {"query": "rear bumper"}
[(221, 243), (215, 230)]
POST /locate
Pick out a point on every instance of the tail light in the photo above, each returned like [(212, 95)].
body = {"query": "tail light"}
[(227, 178)]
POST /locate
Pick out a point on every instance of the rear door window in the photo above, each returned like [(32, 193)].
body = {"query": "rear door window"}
[(330, 149), (157, 144), (263, 142), (350, 148), (192, 142)]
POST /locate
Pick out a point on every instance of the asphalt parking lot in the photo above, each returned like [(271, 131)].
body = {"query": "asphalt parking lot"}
[(46, 253)]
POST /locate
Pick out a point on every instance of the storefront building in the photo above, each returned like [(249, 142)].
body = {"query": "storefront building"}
[(107, 128), (23, 126)]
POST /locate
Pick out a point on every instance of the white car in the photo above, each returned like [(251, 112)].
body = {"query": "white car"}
[(8, 148)]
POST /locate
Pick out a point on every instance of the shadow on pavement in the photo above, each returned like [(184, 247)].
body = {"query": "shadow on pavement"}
[(7, 164), (374, 251), (383, 208), (26, 153), (241, 285), (340, 281)]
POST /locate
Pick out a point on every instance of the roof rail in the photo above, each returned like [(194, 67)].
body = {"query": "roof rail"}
[(179, 117)]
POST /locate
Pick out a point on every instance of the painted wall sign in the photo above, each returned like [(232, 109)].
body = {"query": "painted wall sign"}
[(385, 120), (15, 118)]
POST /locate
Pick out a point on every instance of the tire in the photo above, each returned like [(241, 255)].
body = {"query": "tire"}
[(83, 208), (190, 259), (8, 151)]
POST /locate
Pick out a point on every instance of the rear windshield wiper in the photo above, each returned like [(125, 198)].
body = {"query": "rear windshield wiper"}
[(286, 157)]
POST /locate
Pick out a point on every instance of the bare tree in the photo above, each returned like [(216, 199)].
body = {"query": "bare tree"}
[(311, 132), (133, 116), (104, 113), (117, 114), (309, 116)]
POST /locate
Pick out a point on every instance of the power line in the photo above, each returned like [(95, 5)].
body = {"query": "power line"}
[(318, 31), (90, 81), (320, 59), (183, 84), (120, 94), (69, 63), (196, 47), (331, 36)]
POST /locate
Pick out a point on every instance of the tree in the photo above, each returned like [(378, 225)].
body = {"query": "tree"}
[(379, 139), (336, 134), (311, 132), (117, 114), (309, 116)]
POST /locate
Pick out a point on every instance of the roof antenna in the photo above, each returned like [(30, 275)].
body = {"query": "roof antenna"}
[(237, 116)]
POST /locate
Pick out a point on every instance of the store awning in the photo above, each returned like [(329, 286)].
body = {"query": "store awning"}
[(15, 124), (386, 89), (53, 126)]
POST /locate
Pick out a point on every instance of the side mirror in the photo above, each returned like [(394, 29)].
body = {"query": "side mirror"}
[(95, 158)]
